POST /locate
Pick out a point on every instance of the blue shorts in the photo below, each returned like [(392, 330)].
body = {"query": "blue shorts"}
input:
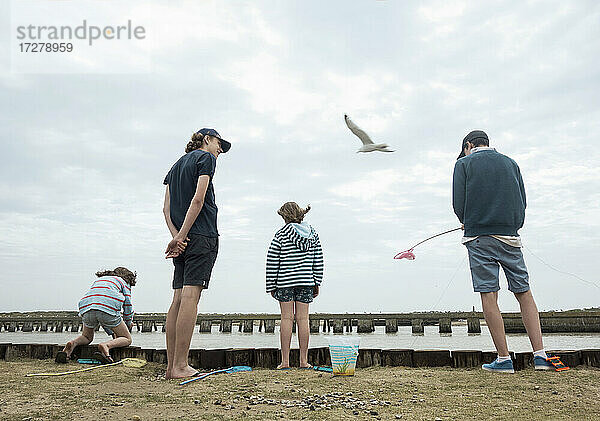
[(486, 255), (301, 294)]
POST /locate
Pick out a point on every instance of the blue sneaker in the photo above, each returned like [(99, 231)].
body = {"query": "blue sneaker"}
[(540, 363), (503, 367)]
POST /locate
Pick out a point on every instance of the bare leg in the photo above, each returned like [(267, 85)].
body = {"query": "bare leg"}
[(87, 336), (531, 319), (121, 338), (493, 318), (303, 331), (170, 330), (184, 329), (285, 331)]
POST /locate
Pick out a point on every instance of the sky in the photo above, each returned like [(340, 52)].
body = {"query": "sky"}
[(87, 138)]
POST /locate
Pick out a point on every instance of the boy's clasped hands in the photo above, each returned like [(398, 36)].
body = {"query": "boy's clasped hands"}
[(175, 247)]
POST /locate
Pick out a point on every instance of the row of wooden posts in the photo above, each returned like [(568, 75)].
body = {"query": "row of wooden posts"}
[(341, 325), (248, 325), (271, 357), (335, 325), (42, 326)]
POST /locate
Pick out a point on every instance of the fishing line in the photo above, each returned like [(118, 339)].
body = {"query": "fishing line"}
[(441, 296), (408, 254), (560, 271)]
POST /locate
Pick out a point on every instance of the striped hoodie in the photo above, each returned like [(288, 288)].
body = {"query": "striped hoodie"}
[(110, 294), (294, 258)]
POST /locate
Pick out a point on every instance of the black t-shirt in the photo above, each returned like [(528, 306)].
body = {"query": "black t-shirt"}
[(182, 180)]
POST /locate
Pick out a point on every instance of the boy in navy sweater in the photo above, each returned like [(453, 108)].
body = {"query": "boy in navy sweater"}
[(191, 215), (488, 197)]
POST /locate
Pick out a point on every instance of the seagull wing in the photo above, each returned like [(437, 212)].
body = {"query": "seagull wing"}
[(365, 139)]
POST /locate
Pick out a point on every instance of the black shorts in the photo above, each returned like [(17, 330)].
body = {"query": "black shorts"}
[(194, 265)]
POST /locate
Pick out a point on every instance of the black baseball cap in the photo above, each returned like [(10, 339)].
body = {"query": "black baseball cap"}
[(225, 145), (475, 134)]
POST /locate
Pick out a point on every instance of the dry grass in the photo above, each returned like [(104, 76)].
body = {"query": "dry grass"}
[(122, 393)]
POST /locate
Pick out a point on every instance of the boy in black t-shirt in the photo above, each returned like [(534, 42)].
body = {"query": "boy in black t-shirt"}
[(191, 216)]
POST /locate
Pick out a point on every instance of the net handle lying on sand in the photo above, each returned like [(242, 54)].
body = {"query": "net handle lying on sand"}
[(127, 362), (233, 369), (321, 368)]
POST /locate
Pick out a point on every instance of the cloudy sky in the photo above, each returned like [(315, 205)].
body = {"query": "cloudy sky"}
[(88, 137)]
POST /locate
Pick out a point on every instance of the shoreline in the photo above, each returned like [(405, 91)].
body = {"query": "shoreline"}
[(270, 357)]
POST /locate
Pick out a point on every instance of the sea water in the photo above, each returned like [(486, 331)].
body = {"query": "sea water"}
[(431, 339)]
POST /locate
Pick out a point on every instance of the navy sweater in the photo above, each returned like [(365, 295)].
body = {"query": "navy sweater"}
[(488, 195)]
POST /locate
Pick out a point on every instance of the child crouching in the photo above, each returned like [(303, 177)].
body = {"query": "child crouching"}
[(107, 298)]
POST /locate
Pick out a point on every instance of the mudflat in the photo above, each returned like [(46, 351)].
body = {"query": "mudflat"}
[(386, 393)]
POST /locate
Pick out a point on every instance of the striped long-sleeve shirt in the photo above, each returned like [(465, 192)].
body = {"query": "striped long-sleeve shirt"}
[(294, 258), (110, 294)]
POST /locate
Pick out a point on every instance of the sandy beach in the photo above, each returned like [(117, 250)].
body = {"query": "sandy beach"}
[(385, 393)]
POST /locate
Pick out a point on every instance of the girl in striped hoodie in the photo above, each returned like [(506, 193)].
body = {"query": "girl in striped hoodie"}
[(107, 298), (294, 274)]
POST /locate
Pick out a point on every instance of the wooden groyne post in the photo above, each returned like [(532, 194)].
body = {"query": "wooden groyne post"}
[(314, 325), (445, 325), (417, 326), (473, 325), (365, 326), (391, 325), (248, 326), (205, 326)]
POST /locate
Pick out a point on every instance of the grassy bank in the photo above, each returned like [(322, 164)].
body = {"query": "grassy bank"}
[(374, 393)]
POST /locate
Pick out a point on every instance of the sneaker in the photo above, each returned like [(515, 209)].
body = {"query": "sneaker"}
[(540, 363), (61, 357), (503, 367)]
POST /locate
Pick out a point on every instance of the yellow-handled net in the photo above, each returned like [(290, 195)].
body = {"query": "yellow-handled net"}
[(126, 362)]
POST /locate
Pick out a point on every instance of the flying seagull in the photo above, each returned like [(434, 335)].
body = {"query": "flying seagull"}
[(368, 145)]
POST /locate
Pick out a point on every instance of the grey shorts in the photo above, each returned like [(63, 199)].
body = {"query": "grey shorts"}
[(301, 294), (486, 255), (93, 318)]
